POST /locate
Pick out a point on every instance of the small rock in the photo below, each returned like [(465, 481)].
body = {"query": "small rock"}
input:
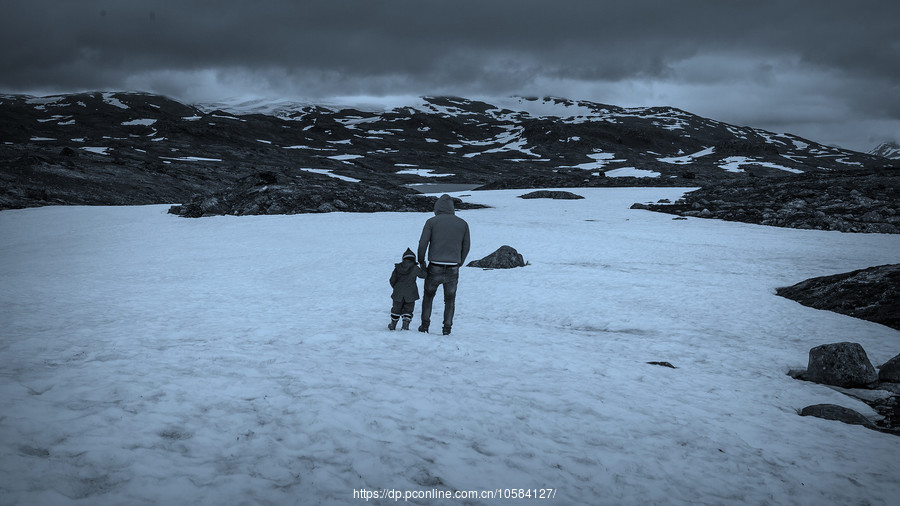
[(839, 413)]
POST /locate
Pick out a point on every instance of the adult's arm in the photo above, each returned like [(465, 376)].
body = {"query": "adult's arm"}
[(464, 251), (423, 242)]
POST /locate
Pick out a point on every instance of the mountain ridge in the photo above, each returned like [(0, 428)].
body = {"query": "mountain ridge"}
[(141, 148)]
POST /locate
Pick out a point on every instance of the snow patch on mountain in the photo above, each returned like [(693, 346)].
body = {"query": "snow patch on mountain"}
[(329, 173), (734, 164), (512, 140), (600, 161), (631, 172), (345, 158), (538, 108), (191, 159), (111, 99), (423, 172), (144, 122), (97, 150), (686, 159)]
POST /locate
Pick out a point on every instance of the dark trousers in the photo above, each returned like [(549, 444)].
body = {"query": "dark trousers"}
[(448, 276), (402, 308)]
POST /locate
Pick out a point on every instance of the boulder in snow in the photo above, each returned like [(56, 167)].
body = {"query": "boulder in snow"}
[(506, 257), (840, 364)]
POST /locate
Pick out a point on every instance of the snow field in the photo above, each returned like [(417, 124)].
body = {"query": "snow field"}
[(148, 359)]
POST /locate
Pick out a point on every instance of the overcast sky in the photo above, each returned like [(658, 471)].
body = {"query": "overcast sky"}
[(822, 69)]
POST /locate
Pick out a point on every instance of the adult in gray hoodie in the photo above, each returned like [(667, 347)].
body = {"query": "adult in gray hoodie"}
[(445, 237)]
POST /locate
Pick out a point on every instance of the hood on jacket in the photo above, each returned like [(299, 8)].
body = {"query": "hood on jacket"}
[(409, 254), (405, 267), (444, 205)]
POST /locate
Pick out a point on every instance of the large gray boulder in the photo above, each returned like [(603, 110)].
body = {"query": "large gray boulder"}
[(506, 257), (839, 413), (840, 364), (890, 371)]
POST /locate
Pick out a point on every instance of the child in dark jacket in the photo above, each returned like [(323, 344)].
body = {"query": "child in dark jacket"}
[(406, 292)]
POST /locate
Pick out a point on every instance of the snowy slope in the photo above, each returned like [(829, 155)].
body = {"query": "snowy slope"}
[(149, 359)]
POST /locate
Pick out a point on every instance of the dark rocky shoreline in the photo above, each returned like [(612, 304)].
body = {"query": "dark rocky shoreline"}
[(271, 193), (871, 294), (864, 200)]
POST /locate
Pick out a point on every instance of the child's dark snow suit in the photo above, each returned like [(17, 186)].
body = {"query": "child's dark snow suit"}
[(406, 292)]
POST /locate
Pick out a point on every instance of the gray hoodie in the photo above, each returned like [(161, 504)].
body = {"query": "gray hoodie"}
[(445, 236)]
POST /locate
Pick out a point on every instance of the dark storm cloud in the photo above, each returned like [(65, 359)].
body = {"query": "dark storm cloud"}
[(579, 39), (378, 47)]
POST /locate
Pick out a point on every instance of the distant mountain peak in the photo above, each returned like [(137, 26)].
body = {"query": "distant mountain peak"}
[(888, 150)]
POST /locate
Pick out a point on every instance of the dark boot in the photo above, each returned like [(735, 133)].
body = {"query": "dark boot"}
[(393, 324), (446, 331), (423, 328), (406, 321)]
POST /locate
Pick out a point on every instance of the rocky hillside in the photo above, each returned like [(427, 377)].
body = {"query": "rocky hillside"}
[(127, 148)]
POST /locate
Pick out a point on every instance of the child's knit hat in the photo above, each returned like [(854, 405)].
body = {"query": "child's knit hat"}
[(409, 254)]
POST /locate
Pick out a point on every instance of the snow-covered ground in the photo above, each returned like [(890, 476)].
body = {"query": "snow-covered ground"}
[(151, 359)]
